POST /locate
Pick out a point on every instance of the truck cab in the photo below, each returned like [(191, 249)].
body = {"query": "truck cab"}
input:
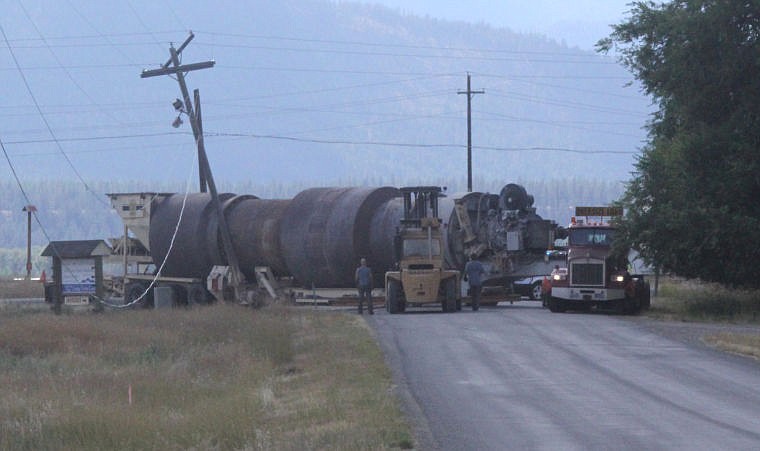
[(595, 276)]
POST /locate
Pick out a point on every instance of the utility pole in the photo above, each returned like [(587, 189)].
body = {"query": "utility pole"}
[(186, 106), (469, 93), (29, 209), (204, 169)]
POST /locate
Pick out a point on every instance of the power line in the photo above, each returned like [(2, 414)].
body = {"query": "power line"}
[(44, 119), (405, 46), (598, 59), (68, 74), (411, 55), (418, 146)]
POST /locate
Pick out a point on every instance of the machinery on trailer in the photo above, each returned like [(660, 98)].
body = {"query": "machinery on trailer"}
[(595, 275), (315, 239), (504, 233), (421, 277), (150, 283)]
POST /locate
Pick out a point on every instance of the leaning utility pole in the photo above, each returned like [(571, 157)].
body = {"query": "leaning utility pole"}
[(195, 121), (204, 169), (469, 93)]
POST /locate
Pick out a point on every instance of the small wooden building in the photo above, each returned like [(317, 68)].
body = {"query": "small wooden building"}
[(77, 270)]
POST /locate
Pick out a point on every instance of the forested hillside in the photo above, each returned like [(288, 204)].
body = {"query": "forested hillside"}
[(315, 90)]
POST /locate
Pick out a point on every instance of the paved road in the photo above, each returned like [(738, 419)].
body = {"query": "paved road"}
[(520, 377)]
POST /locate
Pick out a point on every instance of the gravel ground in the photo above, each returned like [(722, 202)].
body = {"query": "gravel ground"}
[(694, 332)]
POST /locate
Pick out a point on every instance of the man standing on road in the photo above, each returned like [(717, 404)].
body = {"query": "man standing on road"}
[(474, 271), (364, 285)]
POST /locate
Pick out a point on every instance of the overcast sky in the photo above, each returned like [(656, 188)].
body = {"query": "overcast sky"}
[(578, 22)]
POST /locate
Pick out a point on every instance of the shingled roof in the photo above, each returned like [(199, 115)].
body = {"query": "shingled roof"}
[(77, 249)]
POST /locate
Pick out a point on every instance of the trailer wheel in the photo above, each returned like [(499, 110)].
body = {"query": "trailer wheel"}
[(198, 295), (450, 299), (134, 290), (393, 297), (557, 305)]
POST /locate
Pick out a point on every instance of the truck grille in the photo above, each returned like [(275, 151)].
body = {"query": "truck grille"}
[(587, 274)]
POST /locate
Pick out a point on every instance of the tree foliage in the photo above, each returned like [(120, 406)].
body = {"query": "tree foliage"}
[(692, 203)]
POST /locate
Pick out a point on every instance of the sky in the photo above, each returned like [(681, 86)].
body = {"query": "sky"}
[(578, 22)]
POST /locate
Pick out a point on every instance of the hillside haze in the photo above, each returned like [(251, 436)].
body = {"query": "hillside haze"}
[(308, 92)]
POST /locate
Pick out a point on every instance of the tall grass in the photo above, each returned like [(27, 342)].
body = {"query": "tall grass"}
[(705, 301), (222, 377)]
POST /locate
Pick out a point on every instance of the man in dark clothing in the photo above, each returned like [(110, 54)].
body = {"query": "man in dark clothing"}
[(474, 271), (364, 285)]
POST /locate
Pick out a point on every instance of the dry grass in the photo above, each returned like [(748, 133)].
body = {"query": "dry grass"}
[(21, 289), (736, 343), (684, 300), (222, 377), (697, 301)]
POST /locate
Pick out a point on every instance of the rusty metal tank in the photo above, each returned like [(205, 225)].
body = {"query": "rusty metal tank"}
[(317, 237), (194, 249), (325, 231), (255, 231)]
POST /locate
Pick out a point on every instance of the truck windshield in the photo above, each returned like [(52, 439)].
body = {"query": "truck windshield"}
[(419, 247), (591, 237)]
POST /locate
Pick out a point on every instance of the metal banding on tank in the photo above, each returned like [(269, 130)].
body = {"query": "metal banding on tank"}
[(255, 230), (195, 249), (325, 231)]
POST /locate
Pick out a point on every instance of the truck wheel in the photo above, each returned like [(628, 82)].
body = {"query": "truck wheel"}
[(645, 296), (393, 297), (450, 301), (198, 295), (536, 291), (630, 305), (557, 305), (134, 290)]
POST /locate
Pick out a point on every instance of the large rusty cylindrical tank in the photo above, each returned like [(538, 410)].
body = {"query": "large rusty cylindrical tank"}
[(195, 248), (255, 231), (325, 231)]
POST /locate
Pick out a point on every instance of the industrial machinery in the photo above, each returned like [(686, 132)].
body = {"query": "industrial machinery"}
[(595, 275), (503, 231), (421, 277), (317, 238)]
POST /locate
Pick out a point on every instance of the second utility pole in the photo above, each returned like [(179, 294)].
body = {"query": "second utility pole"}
[(469, 93)]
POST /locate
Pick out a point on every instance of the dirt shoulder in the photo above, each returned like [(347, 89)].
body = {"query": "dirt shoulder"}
[(698, 333)]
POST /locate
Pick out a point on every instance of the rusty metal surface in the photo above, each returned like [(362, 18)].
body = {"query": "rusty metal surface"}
[(192, 254), (255, 229), (325, 231)]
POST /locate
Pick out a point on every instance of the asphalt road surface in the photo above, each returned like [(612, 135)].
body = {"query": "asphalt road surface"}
[(520, 377)]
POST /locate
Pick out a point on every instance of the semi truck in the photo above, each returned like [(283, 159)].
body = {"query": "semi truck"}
[(595, 276)]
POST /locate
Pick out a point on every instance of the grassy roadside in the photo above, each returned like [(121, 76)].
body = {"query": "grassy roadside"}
[(681, 300), (222, 377)]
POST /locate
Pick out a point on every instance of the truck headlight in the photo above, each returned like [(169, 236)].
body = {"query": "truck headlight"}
[(619, 278)]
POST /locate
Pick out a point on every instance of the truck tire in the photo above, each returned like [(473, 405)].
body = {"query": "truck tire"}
[(630, 305), (134, 290), (536, 291), (198, 295), (393, 297), (557, 305), (645, 295), (450, 299)]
